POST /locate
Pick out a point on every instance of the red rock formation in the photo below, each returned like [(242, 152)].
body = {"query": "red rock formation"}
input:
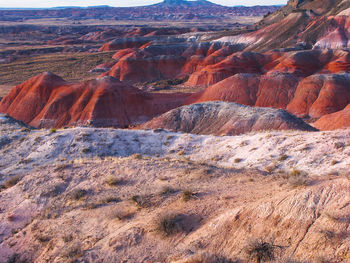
[(26, 100), (305, 95), (47, 101), (314, 96), (334, 121), (334, 95), (300, 63), (244, 62), (123, 43), (138, 67), (274, 90), (123, 52), (318, 95), (240, 88)]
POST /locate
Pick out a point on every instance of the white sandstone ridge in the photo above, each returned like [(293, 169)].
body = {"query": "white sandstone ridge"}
[(317, 153), (226, 118)]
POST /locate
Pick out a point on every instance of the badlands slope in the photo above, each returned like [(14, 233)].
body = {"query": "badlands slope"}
[(97, 195)]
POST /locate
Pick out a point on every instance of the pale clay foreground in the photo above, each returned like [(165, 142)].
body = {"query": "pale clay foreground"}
[(65, 209)]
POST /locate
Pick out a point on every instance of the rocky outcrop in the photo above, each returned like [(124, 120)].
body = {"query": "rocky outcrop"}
[(221, 118)]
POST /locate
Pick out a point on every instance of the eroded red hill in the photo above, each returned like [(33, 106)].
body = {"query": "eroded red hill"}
[(48, 101)]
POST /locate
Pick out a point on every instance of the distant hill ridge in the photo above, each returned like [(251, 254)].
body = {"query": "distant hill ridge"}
[(187, 3), (166, 10)]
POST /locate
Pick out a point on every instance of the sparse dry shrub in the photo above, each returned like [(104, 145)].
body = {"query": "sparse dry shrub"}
[(187, 195), (271, 168), (290, 260), (321, 259), (67, 238), (238, 160), (11, 217), (200, 173), (92, 206), (339, 145), (283, 157), (61, 167), (170, 224), (42, 238), (78, 194), (180, 153), (208, 258), (141, 200), (166, 190), (120, 214), (86, 150), (297, 178), (110, 199), (334, 162), (261, 251), (12, 181), (16, 258), (53, 130), (72, 251), (137, 156), (244, 143), (113, 180)]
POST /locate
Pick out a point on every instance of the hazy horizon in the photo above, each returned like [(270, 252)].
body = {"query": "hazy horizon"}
[(84, 3)]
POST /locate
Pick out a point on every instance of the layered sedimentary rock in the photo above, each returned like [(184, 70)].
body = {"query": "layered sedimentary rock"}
[(318, 23), (313, 96), (333, 121), (222, 118), (48, 101)]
